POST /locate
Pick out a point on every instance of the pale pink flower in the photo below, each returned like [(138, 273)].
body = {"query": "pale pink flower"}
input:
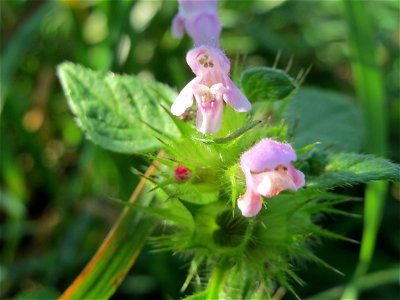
[(211, 87), (268, 171), (200, 19)]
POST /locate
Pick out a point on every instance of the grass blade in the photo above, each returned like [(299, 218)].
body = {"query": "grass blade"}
[(370, 92), (108, 267)]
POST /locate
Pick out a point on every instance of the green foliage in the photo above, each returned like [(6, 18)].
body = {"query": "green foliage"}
[(353, 168), (170, 210), (54, 183), (266, 84), (18, 46), (113, 109), (196, 214), (316, 115), (266, 245), (199, 193), (279, 234), (369, 85)]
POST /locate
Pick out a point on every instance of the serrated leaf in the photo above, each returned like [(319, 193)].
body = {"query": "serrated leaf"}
[(316, 115), (264, 83), (113, 109), (352, 168)]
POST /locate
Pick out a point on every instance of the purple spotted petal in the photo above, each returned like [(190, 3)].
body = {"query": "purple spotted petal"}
[(197, 58)]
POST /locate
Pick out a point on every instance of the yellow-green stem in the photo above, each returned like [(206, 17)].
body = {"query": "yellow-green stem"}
[(216, 282)]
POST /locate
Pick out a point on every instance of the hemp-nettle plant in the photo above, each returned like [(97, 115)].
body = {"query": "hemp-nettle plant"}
[(211, 175)]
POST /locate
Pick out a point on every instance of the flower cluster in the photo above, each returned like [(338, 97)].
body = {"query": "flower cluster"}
[(267, 166), (212, 86)]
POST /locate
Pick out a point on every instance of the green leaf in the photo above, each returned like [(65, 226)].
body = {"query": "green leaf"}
[(352, 168), (264, 83), (316, 115), (113, 109)]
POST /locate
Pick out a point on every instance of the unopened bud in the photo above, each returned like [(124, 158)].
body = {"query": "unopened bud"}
[(182, 173)]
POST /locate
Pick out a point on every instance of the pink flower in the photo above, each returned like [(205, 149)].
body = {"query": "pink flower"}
[(268, 171), (200, 19), (211, 87)]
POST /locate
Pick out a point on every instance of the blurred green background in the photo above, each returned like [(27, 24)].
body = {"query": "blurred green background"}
[(55, 185)]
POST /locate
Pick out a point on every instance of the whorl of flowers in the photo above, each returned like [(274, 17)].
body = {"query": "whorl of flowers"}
[(267, 166)]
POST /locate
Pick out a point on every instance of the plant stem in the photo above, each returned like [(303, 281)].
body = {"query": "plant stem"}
[(216, 282)]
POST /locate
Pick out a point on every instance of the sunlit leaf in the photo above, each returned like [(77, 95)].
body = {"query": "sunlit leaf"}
[(113, 109), (316, 115), (264, 83)]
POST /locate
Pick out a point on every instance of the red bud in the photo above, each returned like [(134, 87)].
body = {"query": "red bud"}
[(182, 173)]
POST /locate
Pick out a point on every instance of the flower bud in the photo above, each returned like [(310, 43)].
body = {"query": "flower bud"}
[(182, 173)]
